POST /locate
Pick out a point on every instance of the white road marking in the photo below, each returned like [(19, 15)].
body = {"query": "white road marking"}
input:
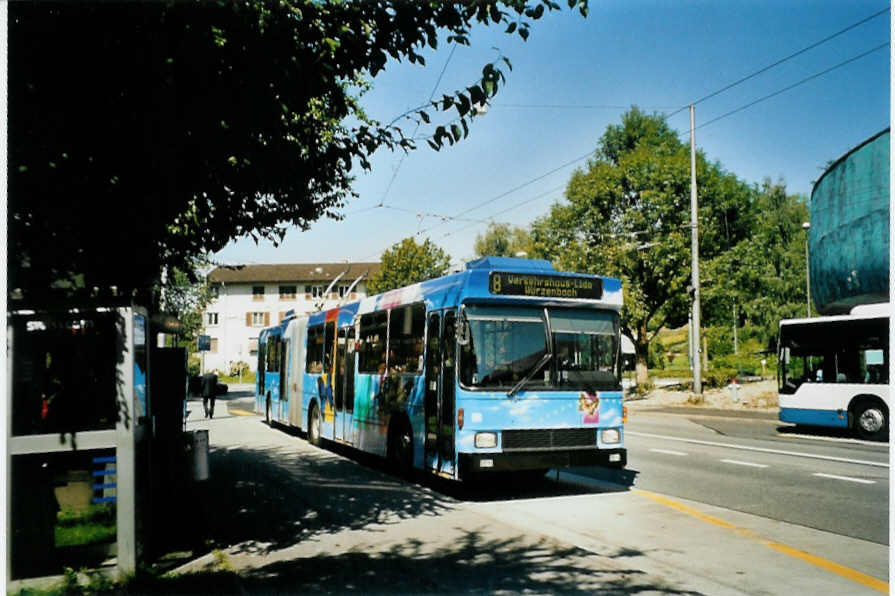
[(669, 452), (834, 477), (744, 463), (758, 449)]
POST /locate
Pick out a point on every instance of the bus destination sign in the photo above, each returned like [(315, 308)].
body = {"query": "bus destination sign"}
[(545, 286)]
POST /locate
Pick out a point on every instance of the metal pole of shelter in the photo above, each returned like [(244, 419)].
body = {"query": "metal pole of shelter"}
[(694, 243)]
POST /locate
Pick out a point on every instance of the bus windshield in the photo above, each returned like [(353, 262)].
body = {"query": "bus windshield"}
[(505, 344)]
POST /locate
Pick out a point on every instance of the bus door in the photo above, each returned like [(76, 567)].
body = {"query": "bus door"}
[(326, 385), (283, 406), (439, 397), (344, 370), (262, 356)]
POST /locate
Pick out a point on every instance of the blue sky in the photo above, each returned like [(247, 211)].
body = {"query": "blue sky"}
[(576, 76)]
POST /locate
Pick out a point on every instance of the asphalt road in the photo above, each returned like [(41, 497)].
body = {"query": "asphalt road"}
[(752, 463), (756, 465), (279, 515)]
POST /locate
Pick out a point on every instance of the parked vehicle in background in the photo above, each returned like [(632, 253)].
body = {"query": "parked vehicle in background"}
[(834, 371)]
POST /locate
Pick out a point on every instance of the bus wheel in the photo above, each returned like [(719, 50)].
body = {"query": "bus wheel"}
[(314, 425), (871, 421), (400, 448)]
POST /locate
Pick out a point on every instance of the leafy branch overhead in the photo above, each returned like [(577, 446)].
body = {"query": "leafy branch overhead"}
[(198, 123)]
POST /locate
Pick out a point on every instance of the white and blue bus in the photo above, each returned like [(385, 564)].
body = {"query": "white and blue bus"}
[(508, 365), (834, 371)]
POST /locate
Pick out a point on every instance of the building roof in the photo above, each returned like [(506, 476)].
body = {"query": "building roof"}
[(298, 272)]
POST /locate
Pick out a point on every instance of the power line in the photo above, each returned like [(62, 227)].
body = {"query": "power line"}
[(431, 95), (557, 106), (779, 62), (794, 85), (458, 216), (516, 188), (712, 121), (493, 215)]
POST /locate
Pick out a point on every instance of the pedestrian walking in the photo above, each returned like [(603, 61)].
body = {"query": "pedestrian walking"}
[(209, 393)]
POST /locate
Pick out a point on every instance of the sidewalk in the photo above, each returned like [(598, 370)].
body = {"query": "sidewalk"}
[(279, 515)]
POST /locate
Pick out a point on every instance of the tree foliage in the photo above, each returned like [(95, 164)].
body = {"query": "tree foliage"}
[(627, 215), (144, 134), (502, 240), (763, 275), (407, 263), (186, 295)]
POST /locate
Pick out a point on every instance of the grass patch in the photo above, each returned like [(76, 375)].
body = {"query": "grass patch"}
[(93, 526), (248, 377)]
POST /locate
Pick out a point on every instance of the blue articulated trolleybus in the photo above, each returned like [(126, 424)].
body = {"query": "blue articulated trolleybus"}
[(508, 365)]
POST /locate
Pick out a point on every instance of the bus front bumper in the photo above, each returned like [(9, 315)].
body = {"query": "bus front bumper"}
[(536, 460)]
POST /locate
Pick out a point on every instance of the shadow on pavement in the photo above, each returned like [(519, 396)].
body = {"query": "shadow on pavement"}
[(474, 564), (259, 502), (267, 499)]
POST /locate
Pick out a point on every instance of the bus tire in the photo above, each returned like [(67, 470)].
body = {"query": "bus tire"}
[(870, 419), (400, 446), (314, 425)]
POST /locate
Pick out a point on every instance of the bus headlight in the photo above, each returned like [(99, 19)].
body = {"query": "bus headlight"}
[(610, 435), (485, 440)]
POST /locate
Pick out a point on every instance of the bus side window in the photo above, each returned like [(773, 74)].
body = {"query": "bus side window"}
[(329, 339), (371, 342), (314, 363), (406, 330)]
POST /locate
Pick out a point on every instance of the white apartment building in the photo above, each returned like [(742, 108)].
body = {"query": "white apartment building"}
[(251, 297)]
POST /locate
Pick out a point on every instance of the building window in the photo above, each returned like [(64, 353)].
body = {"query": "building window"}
[(214, 346), (211, 318), (253, 346), (257, 293), (314, 291), (257, 319), (287, 292)]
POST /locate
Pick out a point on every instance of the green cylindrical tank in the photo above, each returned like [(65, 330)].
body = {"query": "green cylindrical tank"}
[(849, 236)]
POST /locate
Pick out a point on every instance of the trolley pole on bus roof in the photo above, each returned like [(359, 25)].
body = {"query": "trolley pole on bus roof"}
[(694, 243)]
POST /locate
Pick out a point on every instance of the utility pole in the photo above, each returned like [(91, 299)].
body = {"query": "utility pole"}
[(807, 226), (694, 249), (735, 350)]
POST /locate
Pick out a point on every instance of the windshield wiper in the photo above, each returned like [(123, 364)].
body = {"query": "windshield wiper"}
[(534, 370)]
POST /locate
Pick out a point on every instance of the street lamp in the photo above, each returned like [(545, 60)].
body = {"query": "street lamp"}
[(807, 226)]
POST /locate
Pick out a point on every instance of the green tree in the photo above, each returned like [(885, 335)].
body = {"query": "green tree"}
[(197, 123), (502, 240), (627, 215), (186, 295), (407, 263), (763, 274)]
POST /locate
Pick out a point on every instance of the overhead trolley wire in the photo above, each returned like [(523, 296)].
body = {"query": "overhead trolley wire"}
[(431, 95), (779, 62), (704, 124), (458, 216), (794, 85)]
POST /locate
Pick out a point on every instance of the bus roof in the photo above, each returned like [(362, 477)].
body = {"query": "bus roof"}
[(864, 311)]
